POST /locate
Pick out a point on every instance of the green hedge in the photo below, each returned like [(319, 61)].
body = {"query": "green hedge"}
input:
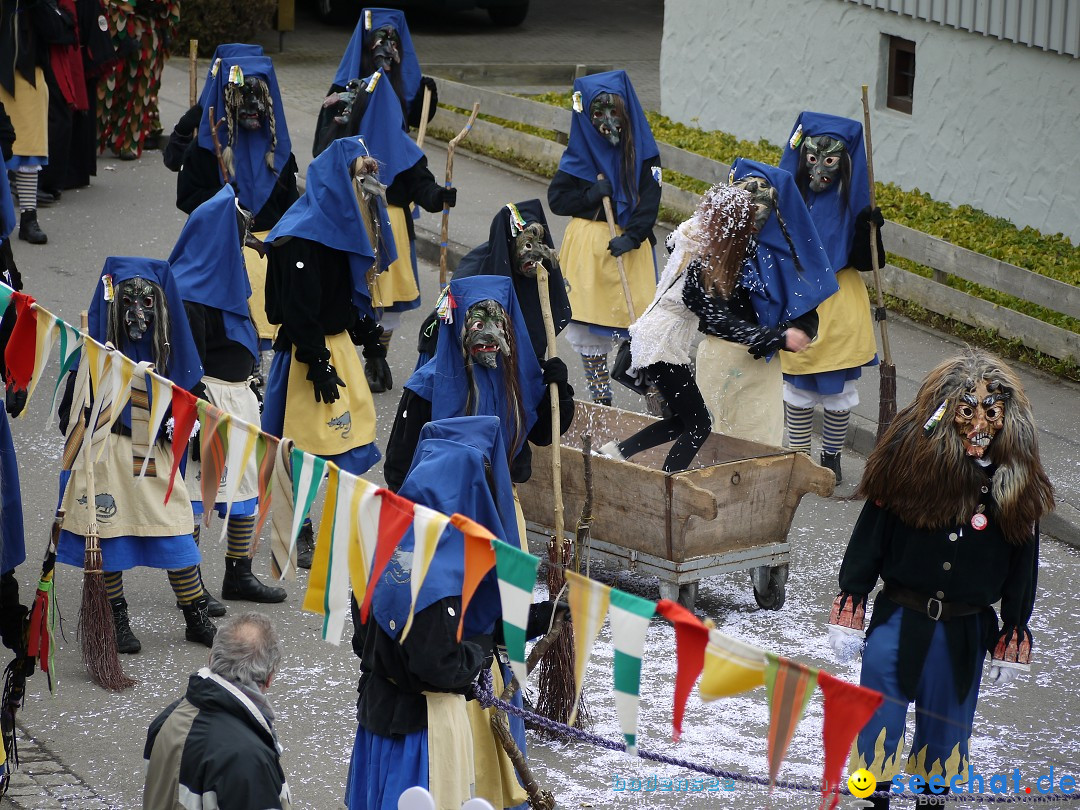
[(213, 22)]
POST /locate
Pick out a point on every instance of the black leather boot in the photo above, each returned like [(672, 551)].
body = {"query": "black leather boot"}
[(29, 230), (199, 627), (125, 639), (213, 606), (240, 583), (832, 461), (305, 546)]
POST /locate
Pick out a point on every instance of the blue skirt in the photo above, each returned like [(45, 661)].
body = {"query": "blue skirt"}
[(382, 768)]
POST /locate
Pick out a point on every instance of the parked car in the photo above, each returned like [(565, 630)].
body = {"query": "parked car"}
[(503, 13)]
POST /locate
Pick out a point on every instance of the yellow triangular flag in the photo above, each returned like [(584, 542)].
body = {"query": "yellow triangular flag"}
[(588, 607), (428, 526), (731, 667)]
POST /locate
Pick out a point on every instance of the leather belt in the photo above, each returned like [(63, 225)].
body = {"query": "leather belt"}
[(931, 606)]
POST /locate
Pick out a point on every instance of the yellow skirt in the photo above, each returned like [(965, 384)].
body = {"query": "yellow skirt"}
[(845, 331), (745, 396), (592, 276), (396, 284), (348, 423), (256, 270), (496, 779), (451, 772), (28, 110)]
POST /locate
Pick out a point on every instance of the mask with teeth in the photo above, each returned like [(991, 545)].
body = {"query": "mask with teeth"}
[(385, 47), (979, 414), (530, 249), (763, 197), (486, 333), (251, 106), (138, 302), (608, 116), (823, 157)]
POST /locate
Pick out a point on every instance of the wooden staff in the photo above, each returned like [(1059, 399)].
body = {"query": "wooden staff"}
[(422, 130), (193, 76), (556, 421), (217, 144), (618, 259), (445, 233), (887, 383)]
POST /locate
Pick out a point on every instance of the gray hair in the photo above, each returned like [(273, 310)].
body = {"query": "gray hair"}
[(246, 650)]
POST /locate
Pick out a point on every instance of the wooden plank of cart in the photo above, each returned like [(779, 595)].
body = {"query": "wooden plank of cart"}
[(731, 512)]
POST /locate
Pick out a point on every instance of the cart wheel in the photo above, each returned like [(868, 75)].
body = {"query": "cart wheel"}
[(770, 586)]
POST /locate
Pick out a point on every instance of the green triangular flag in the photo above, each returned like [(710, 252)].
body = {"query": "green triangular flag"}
[(630, 616), (308, 473), (516, 572)]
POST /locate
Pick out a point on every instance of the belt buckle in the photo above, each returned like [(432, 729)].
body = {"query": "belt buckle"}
[(930, 607)]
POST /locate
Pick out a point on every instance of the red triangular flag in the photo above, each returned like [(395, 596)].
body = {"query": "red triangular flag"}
[(847, 709), (22, 345), (691, 638), (183, 412), (479, 559), (395, 517)]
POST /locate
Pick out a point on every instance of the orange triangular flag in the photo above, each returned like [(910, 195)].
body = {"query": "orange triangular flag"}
[(479, 559)]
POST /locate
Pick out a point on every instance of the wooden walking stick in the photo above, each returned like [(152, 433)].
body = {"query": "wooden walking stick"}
[(193, 75), (424, 110), (214, 124), (97, 633), (552, 351), (887, 384), (445, 233), (618, 259)]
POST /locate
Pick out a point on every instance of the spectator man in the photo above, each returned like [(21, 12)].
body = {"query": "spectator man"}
[(216, 746)]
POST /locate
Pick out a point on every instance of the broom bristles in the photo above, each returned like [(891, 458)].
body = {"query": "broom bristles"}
[(97, 634), (556, 680), (886, 398)]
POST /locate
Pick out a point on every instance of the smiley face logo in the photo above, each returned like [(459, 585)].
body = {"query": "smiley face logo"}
[(861, 783)]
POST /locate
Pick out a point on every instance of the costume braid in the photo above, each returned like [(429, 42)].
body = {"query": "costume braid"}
[(265, 92), (232, 101), (787, 238)]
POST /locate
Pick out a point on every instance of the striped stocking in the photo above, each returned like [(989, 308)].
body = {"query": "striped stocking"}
[(798, 423)]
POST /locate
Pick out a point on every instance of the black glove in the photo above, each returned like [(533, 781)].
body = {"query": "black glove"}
[(14, 401), (198, 390), (485, 642), (540, 617), (449, 197), (366, 332), (555, 371), (621, 244), (189, 121), (868, 215), (770, 341), (325, 380), (597, 192), (12, 615), (428, 82)]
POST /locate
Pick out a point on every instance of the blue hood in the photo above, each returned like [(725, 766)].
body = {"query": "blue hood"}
[(409, 68)]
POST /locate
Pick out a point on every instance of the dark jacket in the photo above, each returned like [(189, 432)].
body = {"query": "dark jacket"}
[(214, 748), (568, 197)]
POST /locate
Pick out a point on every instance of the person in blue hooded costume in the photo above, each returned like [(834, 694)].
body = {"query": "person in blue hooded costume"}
[(825, 154), (323, 258), (403, 169), (138, 308), (208, 265), (255, 150), (184, 131), (482, 366), (609, 135), (380, 41), (785, 277), (395, 741)]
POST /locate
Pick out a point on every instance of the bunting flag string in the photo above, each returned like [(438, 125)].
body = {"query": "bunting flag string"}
[(183, 416), (308, 472), (589, 601), (367, 521), (731, 667), (516, 570), (266, 447), (240, 441), (630, 617), (282, 552), (392, 520), (21, 352), (213, 445), (788, 686), (691, 637), (848, 707), (328, 589), (71, 342), (428, 527), (479, 559), (44, 339)]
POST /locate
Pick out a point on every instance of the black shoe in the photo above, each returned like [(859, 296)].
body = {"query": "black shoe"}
[(213, 606), (47, 198), (379, 378), (832, 462), (199, 627), (305, 546), (240, 583), (125, 639), (29, 230)]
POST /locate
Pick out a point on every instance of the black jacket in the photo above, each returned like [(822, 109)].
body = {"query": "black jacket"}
[(568, 197), (215, 746)]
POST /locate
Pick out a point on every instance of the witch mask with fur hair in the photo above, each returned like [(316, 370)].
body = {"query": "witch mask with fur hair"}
[(927, 469), (137, 312), (249, 106)]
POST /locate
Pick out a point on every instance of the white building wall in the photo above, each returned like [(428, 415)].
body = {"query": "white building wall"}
[(994, 124)]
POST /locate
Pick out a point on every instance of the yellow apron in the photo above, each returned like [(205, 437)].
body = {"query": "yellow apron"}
[(845, 331), (256, 270), (592, 276), (496, 779), (398, 282), (745, 396), (28, 110), (348, 423), (451, 773), (237, 399)]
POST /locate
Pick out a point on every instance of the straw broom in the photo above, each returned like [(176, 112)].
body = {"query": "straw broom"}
[(444, 234), (887, 383), (97, 634)]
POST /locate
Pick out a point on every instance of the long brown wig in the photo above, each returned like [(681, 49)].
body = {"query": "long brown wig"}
[(920, 470), (511, 388), (725, 222)]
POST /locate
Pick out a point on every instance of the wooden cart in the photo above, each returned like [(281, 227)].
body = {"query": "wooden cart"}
[(732, 512)]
